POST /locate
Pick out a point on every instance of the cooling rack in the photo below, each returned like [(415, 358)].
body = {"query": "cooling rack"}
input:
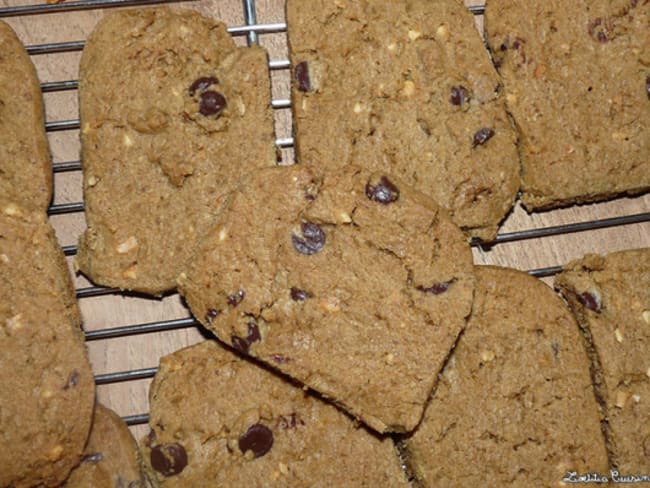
[(126, 334)]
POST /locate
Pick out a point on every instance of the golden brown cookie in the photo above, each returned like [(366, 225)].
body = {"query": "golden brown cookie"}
[(610, 296), (576, 79), (353, 284), (218, 420), (172, 115), (406, 88), (25, 170), (111, 457), (46, 385), (515, 405)]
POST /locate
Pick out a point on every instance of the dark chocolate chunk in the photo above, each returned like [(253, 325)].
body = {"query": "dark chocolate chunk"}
[(280, 359), (290, 421), (302, 76), (258, 438), (590, 301), (168, 459), (458, 95), (311, 241), (92, 458), (436, 288), (73, 379), (200, 84), (243, 344), (236, 299), (211, 314), (647, 86), (239, 344), (482, 136), (150, 439), (253, 332), (211, 103), (384, 191), (299, 295)]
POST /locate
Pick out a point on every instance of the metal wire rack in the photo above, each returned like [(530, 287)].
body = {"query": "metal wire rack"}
[(252, 30)]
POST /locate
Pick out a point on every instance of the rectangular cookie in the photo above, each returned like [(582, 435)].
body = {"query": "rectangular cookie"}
[(47, 389), (610, 296), (25, 169), (576, 77), (515, 404), (172, 115), (406, 88)]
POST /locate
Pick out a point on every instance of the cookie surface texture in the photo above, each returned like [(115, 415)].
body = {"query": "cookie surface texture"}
[(515, 397), (25, 170), (577, 82), (406, 88), (218, 420), (352, 284), (172, 115), (611, 299), (46, 385), (111, 458)]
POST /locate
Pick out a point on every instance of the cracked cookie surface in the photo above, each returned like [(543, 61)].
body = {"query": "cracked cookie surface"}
[(353, 284), (219, 420), (576, 79), (610, 297), (405, 88), (25, 171), (515, 405), (172, 115), (47, 389)]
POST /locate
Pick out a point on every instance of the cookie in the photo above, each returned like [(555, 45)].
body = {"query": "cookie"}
[(172, 115), (406, 88), (353, 284), (46, 385), (111, 457), (218, 420), (577, 82), (515, 405), (611, 300), (25, 170)]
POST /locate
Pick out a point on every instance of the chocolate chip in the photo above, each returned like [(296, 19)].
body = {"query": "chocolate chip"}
[(168, 459), (258, 438), (243, 344), (458, 95), (504, 46), (236, 299), (280, 359), (590, 301), (482, 136), (311, 241), (383, 192), (211, 314), (299, 295), (302, 76), (202, 83), (92, 458), (211, 103), (150, 439), (647, 86), (290, 421), (73, 380), (436, 288)]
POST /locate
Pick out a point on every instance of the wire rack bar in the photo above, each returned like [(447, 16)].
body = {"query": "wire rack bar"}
[(127, 330), (250, 17), (134, 374), (95, 291), (65, 208), (138, 419), (56, 86), (66, 166)]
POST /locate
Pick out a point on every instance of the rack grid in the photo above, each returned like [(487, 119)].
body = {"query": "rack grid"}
[(254, 32)]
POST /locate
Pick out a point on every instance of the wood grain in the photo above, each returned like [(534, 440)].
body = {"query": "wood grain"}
[(143, 350)]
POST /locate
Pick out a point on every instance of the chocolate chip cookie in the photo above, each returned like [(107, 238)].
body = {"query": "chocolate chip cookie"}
[(111, 457), (25, 170), (409, 89), (172, 115), (610, 297), (577, 82), (46, 385), (351, 283), (515, 405), (218, 420)]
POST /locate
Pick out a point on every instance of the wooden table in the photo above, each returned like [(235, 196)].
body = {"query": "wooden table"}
[(138, 351)]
